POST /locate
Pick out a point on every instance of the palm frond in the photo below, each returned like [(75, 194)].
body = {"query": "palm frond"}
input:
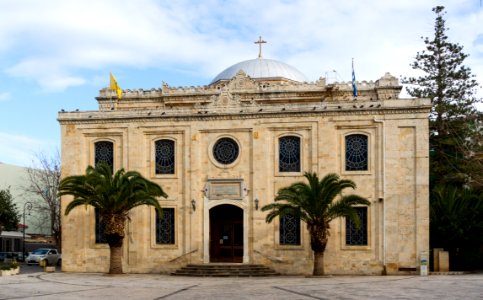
[(280, 210), (110, 193), (315, 201)]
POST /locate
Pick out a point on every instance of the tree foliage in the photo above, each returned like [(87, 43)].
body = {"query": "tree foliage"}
[(315, 204), (456, 216), (455, 123), (455, 144), (9, 216), (114, 196)]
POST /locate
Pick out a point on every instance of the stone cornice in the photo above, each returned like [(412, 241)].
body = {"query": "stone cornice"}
[(95, 117)]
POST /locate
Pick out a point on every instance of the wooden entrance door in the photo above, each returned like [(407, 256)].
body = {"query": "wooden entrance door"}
[(226, 234)]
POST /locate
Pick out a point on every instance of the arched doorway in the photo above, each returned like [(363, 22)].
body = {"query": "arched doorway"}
[(226, 234)]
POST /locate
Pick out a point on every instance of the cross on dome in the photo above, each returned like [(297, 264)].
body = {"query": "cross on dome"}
[(260, 42)]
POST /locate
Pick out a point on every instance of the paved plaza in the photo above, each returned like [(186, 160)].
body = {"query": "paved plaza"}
[(136, 286)]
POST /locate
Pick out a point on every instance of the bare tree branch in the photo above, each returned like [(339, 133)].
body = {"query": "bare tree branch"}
[(43, 179)]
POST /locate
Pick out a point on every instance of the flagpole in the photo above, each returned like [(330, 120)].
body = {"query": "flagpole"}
[(110, 93), (354, 87)]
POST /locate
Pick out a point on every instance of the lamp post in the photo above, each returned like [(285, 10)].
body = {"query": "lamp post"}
[(27, 205)]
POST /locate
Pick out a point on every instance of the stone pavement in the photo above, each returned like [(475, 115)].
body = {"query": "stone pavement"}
[(150, 286)]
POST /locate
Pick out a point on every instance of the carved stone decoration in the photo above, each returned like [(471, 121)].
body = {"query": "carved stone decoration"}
[(224, 100), (242, 82)]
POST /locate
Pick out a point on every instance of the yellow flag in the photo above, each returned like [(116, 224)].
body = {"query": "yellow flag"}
[(115, 87)]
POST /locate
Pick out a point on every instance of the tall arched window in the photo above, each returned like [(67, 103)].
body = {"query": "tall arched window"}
[(289, 154), (164, 152), (356, 151), (104, 152)]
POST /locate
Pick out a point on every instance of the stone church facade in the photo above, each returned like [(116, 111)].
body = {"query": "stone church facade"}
[(223, 150)]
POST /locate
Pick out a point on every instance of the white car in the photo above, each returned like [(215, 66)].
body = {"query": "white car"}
[(49, 255)]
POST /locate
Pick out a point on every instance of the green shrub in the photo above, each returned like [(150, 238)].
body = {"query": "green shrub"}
[(14, 264), (10, 266)]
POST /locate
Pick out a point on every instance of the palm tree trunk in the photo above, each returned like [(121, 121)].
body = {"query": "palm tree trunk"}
[(115, 265), (318, 264)]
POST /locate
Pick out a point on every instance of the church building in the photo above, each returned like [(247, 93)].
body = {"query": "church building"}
[(222, 151)]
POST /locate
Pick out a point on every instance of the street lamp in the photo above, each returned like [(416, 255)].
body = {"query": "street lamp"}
[(27, 205)]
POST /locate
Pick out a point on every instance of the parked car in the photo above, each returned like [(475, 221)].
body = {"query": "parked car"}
[(50, 255)]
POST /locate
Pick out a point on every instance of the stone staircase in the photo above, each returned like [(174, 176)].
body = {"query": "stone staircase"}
[(225, 270)]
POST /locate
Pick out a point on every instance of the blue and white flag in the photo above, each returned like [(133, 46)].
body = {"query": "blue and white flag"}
[(354, 87)]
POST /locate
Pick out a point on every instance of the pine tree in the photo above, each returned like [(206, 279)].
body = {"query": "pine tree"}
[(9, 218), (455, 124)]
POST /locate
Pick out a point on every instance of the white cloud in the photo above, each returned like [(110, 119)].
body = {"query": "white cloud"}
[(68, 37), (20, 150), (59, 83)]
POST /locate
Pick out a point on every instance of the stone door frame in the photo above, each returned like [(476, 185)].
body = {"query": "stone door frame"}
[(209, 204)]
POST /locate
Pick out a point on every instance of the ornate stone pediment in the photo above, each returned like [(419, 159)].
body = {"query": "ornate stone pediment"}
[(242, 82), (229, 94)]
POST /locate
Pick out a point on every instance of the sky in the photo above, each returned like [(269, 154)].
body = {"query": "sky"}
[(57, 54)]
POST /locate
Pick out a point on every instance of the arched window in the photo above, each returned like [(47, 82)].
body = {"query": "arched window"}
[(165, 227), (104, 152), (357, 236), (289, 154), (356, 152), (289, 230), (164, 152)]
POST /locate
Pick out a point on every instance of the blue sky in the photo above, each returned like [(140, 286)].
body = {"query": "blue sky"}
[(57, 54)]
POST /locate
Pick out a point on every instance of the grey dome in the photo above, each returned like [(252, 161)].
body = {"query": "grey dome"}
[(262, 68)]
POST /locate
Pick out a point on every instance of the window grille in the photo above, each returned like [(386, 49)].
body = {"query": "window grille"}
[(354, 236), (165, 161), (225, 151), (100, 236), (289, 230), (165, 227), (289, 154), (104, 152), (356, 152)]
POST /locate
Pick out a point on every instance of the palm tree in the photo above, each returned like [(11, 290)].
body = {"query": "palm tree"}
[(314, 204), (456, 224), (114, 196)]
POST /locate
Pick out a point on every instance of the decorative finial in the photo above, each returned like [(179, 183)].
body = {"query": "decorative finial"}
[(260, 42)]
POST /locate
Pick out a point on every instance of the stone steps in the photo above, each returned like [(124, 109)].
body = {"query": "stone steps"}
[(225, 270)]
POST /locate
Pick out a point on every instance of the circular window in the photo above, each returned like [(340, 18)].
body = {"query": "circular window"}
[(225, 151)]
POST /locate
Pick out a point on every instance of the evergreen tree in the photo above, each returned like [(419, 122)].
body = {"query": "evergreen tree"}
[(455, 124), (9, 218)]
